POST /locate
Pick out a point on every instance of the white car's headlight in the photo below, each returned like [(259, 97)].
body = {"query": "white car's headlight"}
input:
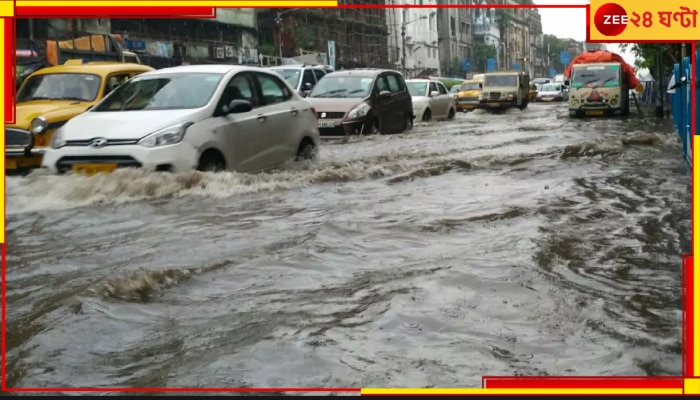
[(58, 139), (170, 135), (38, 125), (359, 111)]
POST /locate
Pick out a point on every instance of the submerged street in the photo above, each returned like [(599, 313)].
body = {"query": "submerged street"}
[(526, 243)]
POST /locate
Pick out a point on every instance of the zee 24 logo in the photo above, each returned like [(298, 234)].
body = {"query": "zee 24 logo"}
[(611, 19)]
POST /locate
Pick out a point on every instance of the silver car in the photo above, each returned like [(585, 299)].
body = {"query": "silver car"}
[(203, 117), (302, 77), (552, 92)]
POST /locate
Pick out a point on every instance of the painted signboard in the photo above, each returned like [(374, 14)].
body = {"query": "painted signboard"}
[(237, 16)]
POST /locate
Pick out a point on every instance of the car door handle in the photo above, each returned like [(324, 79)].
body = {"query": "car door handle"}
[(262, 118), (294, 111)]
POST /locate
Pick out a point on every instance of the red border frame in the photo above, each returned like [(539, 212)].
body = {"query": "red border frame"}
[(492, 382)]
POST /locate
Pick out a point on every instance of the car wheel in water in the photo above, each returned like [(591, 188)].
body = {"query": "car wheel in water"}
[(427, 115), (211, 161), (451, 114), (306, 151), (408, 125), (374, 128)]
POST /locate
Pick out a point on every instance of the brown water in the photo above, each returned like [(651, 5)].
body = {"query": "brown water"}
[(524, 243)]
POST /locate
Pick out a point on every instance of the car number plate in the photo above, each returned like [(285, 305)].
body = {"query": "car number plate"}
[(326, 124), (10, 163), (92, 169), (594, 113)]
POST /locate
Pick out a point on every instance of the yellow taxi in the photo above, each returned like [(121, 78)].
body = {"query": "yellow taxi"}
[(51, 96), (468, 95), (533, 92)]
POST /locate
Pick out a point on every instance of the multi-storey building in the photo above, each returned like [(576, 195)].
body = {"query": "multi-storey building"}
[(413, 35), (537, 50), (358, 35), (455, 37), (515, 36)]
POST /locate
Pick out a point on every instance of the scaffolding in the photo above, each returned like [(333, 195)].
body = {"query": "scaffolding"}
[(360, 34)]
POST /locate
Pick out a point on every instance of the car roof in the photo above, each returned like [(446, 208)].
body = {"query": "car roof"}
[(299, 66), (99, 69), (205, 68), (362, 72), (423, 80)]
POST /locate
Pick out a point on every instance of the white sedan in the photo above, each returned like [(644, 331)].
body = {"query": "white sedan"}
[(431, 99), (203, 117)]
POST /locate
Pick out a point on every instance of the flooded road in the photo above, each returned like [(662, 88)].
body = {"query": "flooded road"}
[(519, 244)]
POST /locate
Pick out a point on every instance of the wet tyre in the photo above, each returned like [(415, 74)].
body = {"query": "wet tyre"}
[(306, 151), (427, 116), (451, 114), (211, 161), (408, 123)]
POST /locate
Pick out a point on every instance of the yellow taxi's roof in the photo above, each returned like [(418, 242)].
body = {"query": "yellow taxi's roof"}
[(506, 73), (99, 69)]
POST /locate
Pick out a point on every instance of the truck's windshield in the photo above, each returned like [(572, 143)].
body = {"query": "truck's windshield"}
[(596, 76), (501, 80)]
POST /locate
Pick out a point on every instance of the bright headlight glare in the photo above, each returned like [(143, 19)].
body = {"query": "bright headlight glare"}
[(57, 139), (38, 125), (359, 111), (170, 135)]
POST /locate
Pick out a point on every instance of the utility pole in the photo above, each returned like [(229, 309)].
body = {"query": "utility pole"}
[(278, 21), (403, 46)]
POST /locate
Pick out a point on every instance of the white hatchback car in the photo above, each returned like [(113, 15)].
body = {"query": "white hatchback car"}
[(431, 99), (204, 117)]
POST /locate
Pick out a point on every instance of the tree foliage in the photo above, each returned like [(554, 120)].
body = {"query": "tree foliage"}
[(648, 55), (480, 53), (553, 46)]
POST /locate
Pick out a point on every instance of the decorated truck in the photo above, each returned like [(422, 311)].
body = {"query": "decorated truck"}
[(599, 82)]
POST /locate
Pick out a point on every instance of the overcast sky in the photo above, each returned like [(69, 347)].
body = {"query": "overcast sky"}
[(571, 23)]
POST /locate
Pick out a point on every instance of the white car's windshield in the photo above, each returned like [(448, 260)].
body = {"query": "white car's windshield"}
[(550, 88), (162, 92), (78, 87), (454, 89), (342, 87), (417, 88), (290, 75)]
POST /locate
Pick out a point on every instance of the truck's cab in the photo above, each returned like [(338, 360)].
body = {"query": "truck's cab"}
[(598, 89), (505, 89)]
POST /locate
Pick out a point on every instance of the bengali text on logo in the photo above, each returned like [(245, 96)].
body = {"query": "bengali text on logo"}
[(638, 20)]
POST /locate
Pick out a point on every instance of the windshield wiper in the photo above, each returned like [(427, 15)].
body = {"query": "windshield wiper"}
[(604, 82), (326, 94), (73, 98)]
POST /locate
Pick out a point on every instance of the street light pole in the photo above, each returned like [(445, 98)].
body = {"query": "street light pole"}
[(278, 21)]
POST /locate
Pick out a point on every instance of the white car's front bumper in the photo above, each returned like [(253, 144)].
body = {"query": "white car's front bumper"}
[(177, 157)]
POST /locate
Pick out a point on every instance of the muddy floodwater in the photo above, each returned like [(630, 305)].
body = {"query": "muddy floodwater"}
[(518, 244)]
